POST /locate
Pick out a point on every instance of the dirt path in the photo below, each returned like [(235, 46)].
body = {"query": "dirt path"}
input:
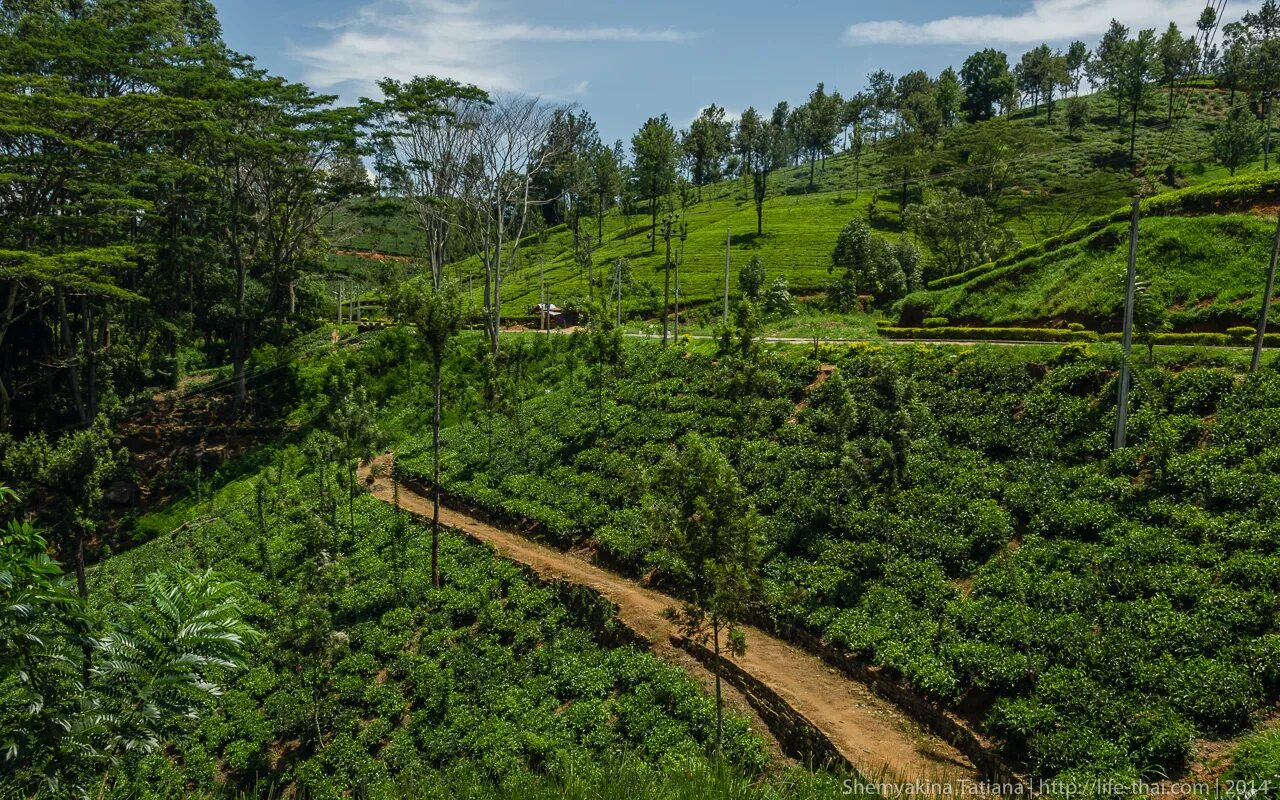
[(867, 730)]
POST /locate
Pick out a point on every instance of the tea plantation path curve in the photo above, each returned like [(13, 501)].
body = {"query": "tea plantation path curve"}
[(871, 733)]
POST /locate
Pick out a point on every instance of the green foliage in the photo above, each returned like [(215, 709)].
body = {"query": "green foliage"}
[(1238, 139), (955, 516), (868, 264), (751, 278)]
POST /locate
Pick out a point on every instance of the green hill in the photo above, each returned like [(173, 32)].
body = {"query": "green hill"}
[(1053, 181), (1203, 251)]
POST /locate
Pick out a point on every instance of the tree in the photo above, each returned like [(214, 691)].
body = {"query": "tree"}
[(353, 422), (1261, 32), (1130, 82), (705, 145), (1077, 58), (1237, 140), (987, 81), (758, 142), (158, 663), (857, 111), (436, 313), (817, 124), (653, 150), (880, 86), (777, 300), (606, 181), (751, 278), (1033, 74), (1077, 114), (511, 146), (699, 510), (948, 96), (867, 264), (1104, 68), (961, 232), (1150, 317), (1177, 59)]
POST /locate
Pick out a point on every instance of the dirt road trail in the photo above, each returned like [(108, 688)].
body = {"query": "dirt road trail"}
[(868, 731)]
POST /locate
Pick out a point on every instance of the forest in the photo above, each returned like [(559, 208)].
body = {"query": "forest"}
[(429, 445)]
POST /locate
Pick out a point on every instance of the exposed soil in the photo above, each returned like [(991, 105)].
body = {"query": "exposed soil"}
[(373, 255), (871, 733), (824, 374)]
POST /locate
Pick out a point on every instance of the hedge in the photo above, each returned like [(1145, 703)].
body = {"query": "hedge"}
[(989, 334), (1217, 196), (1199, 339)]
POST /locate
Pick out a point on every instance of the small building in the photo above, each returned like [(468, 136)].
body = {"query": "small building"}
[(550, 315)]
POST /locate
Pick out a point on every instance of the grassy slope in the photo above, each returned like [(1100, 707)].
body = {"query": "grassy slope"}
[(1058, 182), (1209, 269)]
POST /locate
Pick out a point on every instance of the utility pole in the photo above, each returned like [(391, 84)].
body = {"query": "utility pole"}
[(728, 239), (684, 234), (591, 283), (542, 294), (339, 304), (617, 283), (668, 222), (1122, 412), (1266, 302)]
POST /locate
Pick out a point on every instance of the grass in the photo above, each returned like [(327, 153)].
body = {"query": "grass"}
[(1210, 270)]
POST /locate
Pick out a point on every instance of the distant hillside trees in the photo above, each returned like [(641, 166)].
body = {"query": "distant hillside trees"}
[(759, 143), (818, 123), (987, 82), (705, 146), (1238, 140), (1177, 60), (654, 152)]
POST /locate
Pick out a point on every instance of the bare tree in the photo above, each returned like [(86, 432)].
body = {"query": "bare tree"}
[(512, 145)]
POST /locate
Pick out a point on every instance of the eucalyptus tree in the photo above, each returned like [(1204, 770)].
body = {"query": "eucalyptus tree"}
[(758, 142), (654, 155), (1177, 59), (512, 146), (705, 145)]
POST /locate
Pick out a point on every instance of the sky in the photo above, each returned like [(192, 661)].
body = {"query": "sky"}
[(626, 61)]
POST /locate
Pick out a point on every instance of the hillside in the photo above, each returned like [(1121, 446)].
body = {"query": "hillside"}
[(1055, 181), (1202, 251)]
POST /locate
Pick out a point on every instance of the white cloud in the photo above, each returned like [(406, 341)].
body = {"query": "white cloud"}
[(465, 41), (1045, 20)]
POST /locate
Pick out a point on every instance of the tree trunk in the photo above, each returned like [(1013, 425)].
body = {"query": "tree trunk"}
[(86, 667), (69, 354), (715, 627), (653, 224), (1266, 150), (1133, 135), (437, 362)]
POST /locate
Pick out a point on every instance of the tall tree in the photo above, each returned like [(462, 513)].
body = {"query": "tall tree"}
[(1105, 68), (758, 142), (1177, 60), (1237, 140), (1131, 81), (987, 81), (698, 508), (705, 145), (949, 95), (654, 153)]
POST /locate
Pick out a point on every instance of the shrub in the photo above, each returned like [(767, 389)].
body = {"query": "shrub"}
[(936, 322), (1242, 333), (991, 334)]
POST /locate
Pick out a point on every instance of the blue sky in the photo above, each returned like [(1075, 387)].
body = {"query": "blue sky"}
[(626, 61)]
